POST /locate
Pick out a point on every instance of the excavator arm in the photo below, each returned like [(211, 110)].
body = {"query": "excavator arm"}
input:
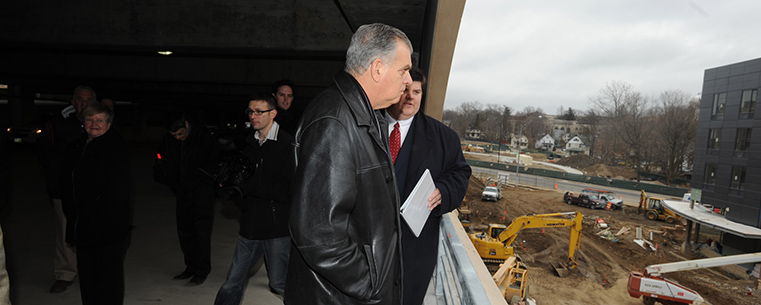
[(552, 220)]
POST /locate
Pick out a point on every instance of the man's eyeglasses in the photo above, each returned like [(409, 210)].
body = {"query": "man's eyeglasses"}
[(249, 112)]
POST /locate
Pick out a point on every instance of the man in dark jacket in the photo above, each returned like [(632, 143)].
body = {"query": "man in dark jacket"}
[(424, 143), (187, 153), (265, 205), (56, 136), (345, 213), (282, 91)]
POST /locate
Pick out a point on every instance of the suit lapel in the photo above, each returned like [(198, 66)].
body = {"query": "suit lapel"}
[(421, 147)]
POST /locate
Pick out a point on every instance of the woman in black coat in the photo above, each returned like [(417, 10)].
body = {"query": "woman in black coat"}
[(96, 205)]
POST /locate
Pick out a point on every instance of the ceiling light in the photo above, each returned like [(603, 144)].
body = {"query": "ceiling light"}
[(165, 52)]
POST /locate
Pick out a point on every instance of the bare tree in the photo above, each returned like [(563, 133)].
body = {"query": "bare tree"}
[(676, 126), (456, 121), (627, 110), (470, 112), (492, 122), (530, 122), (591, 122)]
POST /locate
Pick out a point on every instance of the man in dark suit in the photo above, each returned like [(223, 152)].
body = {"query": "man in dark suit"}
[(419, 142)]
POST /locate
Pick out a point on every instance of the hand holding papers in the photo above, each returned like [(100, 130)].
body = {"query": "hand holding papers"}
[(415, 209)]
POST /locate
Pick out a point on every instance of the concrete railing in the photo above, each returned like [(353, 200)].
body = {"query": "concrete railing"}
[(460, 276)]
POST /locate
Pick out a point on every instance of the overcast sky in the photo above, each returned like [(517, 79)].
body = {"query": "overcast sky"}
[(550, 54)]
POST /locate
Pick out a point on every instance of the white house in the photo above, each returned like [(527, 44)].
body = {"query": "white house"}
[(576, 146), (516, 141), (545, 143)]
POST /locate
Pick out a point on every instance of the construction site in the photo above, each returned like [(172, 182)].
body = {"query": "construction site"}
[(607, 252)]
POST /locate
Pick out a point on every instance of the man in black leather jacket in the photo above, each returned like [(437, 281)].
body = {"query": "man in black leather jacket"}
[(345, 222)]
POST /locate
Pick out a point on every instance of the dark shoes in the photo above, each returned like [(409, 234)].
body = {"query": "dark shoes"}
[(184, 275), (60, 286), (198, 279), (194, 279)]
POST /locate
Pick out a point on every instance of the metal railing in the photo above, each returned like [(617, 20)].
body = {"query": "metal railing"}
[(460, 276)]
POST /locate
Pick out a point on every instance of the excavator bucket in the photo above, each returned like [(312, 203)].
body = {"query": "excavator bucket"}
[(561, 269)]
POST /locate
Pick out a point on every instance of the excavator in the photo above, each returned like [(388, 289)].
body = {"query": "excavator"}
[(496, 246), (652, 287), (654, 209)]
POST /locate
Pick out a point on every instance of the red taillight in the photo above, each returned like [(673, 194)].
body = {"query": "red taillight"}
[(158, 155)]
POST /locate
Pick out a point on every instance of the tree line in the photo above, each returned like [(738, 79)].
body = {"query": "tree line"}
[(654, 134)]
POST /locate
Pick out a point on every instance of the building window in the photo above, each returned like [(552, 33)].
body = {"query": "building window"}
[(748, 104), (719, 100), (743, 139), (714, 135), (710, 174), (738, 177)]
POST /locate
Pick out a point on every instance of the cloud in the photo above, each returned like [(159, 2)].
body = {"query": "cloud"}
[(559, 53)]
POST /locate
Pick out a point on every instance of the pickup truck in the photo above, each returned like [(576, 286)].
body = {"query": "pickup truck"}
[(591, 201), (491, 193), (607, 196)]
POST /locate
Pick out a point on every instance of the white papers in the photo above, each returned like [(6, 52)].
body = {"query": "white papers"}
[(415, 209)]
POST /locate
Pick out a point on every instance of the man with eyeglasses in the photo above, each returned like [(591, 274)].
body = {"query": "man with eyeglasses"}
[(56, 136), (185, 155), (264, 203)]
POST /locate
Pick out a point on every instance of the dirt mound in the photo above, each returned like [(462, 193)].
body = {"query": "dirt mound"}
[(538, 156), (615, 172), (589, 166), (578, 161)]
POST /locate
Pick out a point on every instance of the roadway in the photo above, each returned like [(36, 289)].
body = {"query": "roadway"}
[(630, 197)]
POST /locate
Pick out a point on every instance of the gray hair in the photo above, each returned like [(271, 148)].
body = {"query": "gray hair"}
[(96, 108), (373, 41)]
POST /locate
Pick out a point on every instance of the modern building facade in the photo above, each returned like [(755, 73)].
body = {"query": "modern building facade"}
[(727, 168)]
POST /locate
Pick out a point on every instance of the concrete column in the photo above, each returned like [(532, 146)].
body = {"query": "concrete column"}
[(447, 25), (697, 233), (686, 247)]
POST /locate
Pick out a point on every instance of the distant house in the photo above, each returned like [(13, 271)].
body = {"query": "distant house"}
[(545, 143), (521, 141), (576, 146), (472, 133)]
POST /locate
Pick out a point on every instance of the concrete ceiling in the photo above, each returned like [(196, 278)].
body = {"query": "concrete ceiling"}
[(223, 50)]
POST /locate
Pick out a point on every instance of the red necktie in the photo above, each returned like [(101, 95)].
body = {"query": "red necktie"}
[(394, 142)]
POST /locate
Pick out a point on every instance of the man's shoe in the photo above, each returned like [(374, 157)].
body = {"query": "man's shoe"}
[(60, 286), (198, 279), (184, 275)]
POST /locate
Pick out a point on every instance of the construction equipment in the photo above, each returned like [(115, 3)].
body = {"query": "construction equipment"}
[(512, 280), (496, 246), (465, 215), (654, 209), (652, 287)]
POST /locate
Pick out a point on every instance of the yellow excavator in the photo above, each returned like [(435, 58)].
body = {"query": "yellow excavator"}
[(496, 245)]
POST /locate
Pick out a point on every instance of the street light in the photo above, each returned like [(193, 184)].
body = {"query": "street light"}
[(518, 153)]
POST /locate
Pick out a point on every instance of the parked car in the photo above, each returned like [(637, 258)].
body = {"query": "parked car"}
[(589, 200), (491, 193), (24, 133), (608, 196)]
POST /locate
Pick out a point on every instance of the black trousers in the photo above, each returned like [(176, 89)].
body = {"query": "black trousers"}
[(101, 274), (195, 217)]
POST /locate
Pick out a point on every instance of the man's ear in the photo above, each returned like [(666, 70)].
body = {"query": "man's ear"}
[(274, 113), (187, 125), (377, 69)]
